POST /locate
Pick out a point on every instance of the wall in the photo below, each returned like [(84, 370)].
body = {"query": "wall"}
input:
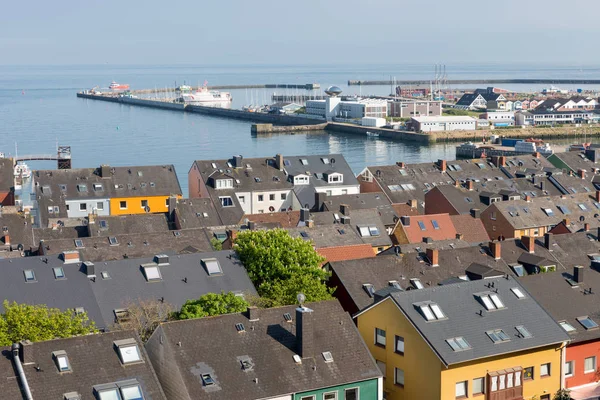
[(436, 203), (421, 366), (91, 204), (157, 204), (387, 133), (497, 227), (338, 190), (367, 391), (196, 186), (477, 369), (151, 103), (578, 352), (257, 206), (7, 198)]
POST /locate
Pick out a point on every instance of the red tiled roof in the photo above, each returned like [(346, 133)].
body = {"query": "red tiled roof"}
[(445, 230), (345, 253), (471, 228)]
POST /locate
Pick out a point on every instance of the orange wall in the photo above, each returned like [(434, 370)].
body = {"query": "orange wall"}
[(578, 353), (7, 198), (157, 204)]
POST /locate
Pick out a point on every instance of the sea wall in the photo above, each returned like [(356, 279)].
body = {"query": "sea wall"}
[(269, 128), (386, 133), (538, 133), (274, 119), (152, 103)]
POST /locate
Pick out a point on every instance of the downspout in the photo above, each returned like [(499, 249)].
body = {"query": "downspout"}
[(563, 359), (22, 377)]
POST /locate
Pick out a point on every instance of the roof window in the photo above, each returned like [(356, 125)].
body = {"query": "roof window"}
[(491, 301), (81, 188), (517, 292), (498, 336), (435, 224), (128, 351), (366, 231), (567, 326), (78, 244), (113, 241), (126, 390), (582, 206), (59, 273), (587, 322), (287, 317), (395, 284), (29, 275), (431, 311), (72, 396), (525, 334), (421, 225), (564, 209), (369, 289), (103, 224), (548, 212), (212, 266), (416, 283), (458, 343), (325, 160), (207, 380), (62, 361), (240, 327), (98, 187), (104, 275), (152, 273), (304, 161), (327, 356)]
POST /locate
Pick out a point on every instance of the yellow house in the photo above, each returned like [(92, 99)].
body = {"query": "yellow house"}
[(486, 339)]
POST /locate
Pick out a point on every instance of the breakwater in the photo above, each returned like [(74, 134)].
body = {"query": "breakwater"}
[(260, 129), (563, 132), (305, 86), (479, 81)]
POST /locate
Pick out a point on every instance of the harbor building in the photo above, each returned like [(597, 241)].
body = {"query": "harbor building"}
[(443, 123), (499, 118), (407, 109), (106, 190), (334, 107)]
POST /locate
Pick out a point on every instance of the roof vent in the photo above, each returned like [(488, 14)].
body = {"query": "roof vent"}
[(161, 259), (297, 359), (90, 269)]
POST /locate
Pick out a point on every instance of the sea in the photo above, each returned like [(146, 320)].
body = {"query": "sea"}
[(39, 110)]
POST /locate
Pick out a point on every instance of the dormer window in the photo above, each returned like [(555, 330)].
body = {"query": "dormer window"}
[(369, 289), (301, 180), (335, 178), (224, 184), (98, 187), (152, 273), (128, 350), (62, 361)]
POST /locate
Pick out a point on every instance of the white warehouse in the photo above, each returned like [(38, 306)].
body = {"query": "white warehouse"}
[(443, 123), (334, 107)]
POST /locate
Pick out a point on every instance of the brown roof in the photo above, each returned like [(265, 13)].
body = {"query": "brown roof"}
[(343, 253), (405, 209), (471, 228), (288, 219)]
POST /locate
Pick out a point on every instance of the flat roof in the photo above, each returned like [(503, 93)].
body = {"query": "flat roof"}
[(459, 118)]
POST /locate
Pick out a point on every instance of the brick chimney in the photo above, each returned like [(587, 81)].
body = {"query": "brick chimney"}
[(305, 332), (414, 203), (496, 250), (26, 352), (581, 173), (502, 161), (457, 184), (566, 222), (345, 209), (529, 243), (586, 227), (537, 154), (470, 185), (528, 198), (7, 239), (597, 196), (433, 257), (460, 236), (442, 165), (252, 313), (70, 257), (279, 162), (401, 164), (548, 240), (232, 234)]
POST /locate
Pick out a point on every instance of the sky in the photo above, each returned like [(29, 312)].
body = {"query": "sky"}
[(211, 32)]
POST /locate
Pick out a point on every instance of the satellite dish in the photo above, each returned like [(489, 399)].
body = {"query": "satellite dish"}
[(20, 247), (332, 161), (271, 208), (301, 298), (581, 219)]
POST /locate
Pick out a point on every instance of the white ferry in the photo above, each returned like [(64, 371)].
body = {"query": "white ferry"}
[(22, 170), (204, 96)]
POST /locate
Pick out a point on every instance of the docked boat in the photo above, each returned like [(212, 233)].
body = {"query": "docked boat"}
[(372, 134), (204, 96), (118, 86), (22, 170), (184, 88)]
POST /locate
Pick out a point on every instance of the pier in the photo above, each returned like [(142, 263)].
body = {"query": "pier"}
[(304, 86), (479, 81)]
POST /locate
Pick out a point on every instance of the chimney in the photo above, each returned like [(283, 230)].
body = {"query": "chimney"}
[(345, 220), (460, 236), (597, 197), (90, 269), (237, 161), (279, 161), (502, 161), (161, 259), (414, 203), (537, 154), (401, 164), (578, 274), (542, 184), (232, 234), (475, 213), (105, 171), (496, 250), (586, 227), (442, 165), (548, 240), (470, 184), (581, 173), (528, 198), (405, 219), (251, 225), (345, 209), (42, 247), (7, 240), (457, 184), (70, 257), (529, 243), (304, 332), (566, 222), (304, 214), (26, 353), (310, 223), (252, 313), (320, 198), (427, 239), (172, 208), (433, 257)]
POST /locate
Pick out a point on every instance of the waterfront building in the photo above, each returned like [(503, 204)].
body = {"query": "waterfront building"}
[(544, 116), (443, 123), (284, 107), (407, 109), (482, 337), (499, 118), (334, 107), (310, 351), (481, 99), (77, 193)]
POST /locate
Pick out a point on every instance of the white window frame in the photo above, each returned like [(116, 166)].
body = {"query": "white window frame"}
[(335, 394), (589, 371), (572, 368), (545, 366), (311, 397), (221, 198), (465, 386), (377, 337)]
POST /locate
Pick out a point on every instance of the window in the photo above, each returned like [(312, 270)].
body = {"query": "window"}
[(399, 376), (569, 368), (491, 301), (98, 187), (212, 266), (399, 345), (272, 197), (435, 224), (587, 322), (549, 212), (82, 188), (517, 292), (226, 201), (29, 275), (416, 283), (373, 231), (283, 196), (479, 386), (421, 225), (458, 343), (113, 241), (152, 273), (261, 197), (351, 394), (589, 365), (242, 199), (123, 205), (109, 394), (59, 273), (82, 206), (582, 206), (128, 351), (379, 337), (307, 397), (498, 336), (525, 334), (62, 361), (100, 206), (461, 389), (144, 203), (105, 275), (545, 370), (528, 373), (431, 311), (369, 289)]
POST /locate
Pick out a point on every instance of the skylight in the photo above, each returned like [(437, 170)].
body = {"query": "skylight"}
[(103, 224), (416, 282), (395, 284), (62, 361), (587, 322), (207, 380), (59, 273), (128, 351), (212, 266), (491, 301), (240, 327), (525, 334), (374, 231), (582, 206), (152, 273), (549, 212), (421, 225), (82, 188), (435, 224), (78, 243), (567, 326), (29, 275), (104, 275), (458, 343), (431, 311), (327, 356), (364, 231), (304, 161), (517, 292), (498, 336), (564, 209), (369, 289), (113, 241), (325, 160)]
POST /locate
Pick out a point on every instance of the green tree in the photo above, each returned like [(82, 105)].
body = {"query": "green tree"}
[(144, 316), (212, 304), (281, 266), (38, 322), (562, 394), (216, 244)]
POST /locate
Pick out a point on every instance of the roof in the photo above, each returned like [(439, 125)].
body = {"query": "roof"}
[(461, 307), (471, 229), (355, 201), (343, 253), (362, 221), (445, 118), (467, 99), (551, 289), (128, 224), (333, 235), (461, 199), (201, 213), (436, 227), (6, 174), (134, 245), (318, 166), (94, 360), (573, 160), (288, 219), (269, 343)]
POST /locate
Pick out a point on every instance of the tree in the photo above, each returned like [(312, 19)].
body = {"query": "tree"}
[(38, 322), (212, 304), (562, 394), (144, 316), (216, 244), (281, 266)]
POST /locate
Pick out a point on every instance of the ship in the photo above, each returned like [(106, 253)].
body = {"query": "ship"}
[(118, 86), (22, 170), (205, 96)]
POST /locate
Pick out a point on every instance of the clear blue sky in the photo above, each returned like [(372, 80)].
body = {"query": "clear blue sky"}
[(297, 32)]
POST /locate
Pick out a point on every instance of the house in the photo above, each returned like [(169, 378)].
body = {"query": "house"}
[(111, 365), (480, 100), (7, 184), (424, 228), (76, 193), (202, 213), (407, 109), (449, 199), (499, 118), (524, 118), (465, 339), (345, 253), (578, 317), (543, 116), (285, 353), (537, 216), (443, 123), (573, 162)]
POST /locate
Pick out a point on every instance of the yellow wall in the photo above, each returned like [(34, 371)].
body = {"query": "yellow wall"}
[(426, 377), (157, 204), (419, 362)]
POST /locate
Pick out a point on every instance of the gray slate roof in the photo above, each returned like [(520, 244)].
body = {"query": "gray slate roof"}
[(270, 344), (461, 307), (358, 218), (316, 166), (328, 235), (118, 225), (199, 213), (94, 360)]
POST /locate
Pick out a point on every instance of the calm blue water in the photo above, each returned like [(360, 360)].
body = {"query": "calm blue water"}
[(38, 108)]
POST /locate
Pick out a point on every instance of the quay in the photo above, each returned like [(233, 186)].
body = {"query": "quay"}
[(478, 81), (305, 86)]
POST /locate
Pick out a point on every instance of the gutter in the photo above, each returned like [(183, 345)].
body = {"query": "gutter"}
[(17, 361)]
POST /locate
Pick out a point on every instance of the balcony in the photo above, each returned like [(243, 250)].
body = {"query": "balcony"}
[(505, 384)]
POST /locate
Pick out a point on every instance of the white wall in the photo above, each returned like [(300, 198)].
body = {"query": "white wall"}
[(257, 207), (91, 205), (337, 190)]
